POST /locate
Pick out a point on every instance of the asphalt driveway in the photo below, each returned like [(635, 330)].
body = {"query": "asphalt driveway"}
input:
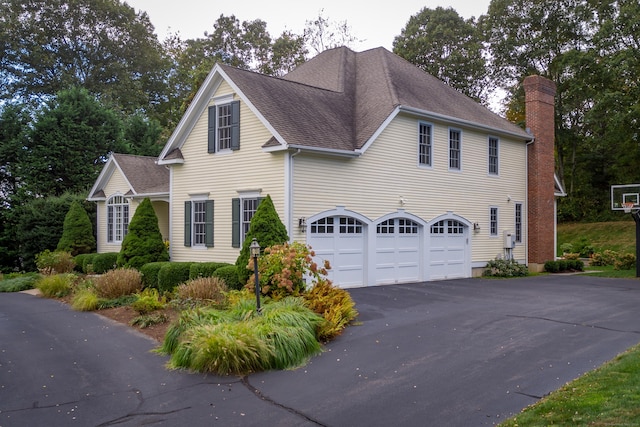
[(457, 353)]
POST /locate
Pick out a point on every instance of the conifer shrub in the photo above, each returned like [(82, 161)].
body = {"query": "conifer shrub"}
[(143, 243), (81, 260), (77, 231), (173, 274), (101, 263), (205, 269), (267, 229), (150, 273), (117, 283), (230, 276)]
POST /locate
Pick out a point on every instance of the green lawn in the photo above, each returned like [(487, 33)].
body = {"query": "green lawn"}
[(609, 395)]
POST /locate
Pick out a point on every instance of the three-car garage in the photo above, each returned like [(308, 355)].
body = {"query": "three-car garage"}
[(396, 248)]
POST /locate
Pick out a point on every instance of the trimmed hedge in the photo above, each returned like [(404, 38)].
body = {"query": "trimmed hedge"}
[(205, 269), (172, 274), (82, 260), (563, 265), (150, 273), (230, 276), (104, 262)]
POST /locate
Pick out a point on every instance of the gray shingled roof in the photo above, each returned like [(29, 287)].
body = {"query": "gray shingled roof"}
[(143, 173), (338, 99)]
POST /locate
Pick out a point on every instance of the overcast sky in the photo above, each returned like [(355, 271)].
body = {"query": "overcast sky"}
[(375, 24)]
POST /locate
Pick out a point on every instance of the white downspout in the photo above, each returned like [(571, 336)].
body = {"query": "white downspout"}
[(289, 205)]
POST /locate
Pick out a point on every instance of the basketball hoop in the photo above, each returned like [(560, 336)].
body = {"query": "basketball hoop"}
[(627, 206)]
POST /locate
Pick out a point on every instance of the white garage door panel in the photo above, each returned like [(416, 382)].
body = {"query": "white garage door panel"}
[(448, 251), (397, 254)]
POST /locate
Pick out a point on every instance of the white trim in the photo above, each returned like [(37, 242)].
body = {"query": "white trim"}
[(489, 173), (378, 131), (431, 145), (497, 208)]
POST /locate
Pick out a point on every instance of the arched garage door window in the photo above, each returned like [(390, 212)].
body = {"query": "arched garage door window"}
[(447, 226)]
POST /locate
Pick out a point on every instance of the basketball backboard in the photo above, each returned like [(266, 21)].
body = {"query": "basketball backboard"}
[(622, 196)]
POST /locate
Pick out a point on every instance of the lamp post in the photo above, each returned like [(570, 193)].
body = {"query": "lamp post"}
[(255, 253)]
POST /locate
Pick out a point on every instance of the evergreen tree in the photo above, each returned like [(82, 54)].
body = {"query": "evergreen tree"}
[(268, 230), (143, 243), (77, 232)]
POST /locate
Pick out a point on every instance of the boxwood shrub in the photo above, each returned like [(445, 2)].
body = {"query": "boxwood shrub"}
[(172, 274), (562, 266), (205, 269), (150, 273), (104, 262), (230, 276), (81, 261)]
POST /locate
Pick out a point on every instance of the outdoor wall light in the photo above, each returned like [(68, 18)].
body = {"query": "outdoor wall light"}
[(302, 223), (254, 250)]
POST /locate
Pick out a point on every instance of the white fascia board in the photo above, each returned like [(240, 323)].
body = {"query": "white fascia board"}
[(434, 116), (253, 109), (190, 117), (171, 162), (378, 131), (105, 175), (318, 150)]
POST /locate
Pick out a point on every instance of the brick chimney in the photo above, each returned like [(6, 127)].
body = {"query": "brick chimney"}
[(539, 103)]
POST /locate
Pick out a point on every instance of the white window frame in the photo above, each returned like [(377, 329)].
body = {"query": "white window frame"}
[(518, 216), (425, 143), (198, 222), (118, 210), (223, 127), (246, 213), (493, 159), (494, 222), (452, 150)]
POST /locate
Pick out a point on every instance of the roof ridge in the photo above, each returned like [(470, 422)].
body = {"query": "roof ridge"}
[(387, 73)]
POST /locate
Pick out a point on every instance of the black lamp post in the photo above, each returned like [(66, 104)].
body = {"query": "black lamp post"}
[(255, 253)]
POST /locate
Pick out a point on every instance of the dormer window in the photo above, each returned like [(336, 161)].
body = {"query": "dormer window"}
[(224, 127)]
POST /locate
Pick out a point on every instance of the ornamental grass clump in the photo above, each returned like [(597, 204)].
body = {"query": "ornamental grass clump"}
[(335, 305), (57, 285), (203, 289), (117, 283), (85, 299), (239, 340)]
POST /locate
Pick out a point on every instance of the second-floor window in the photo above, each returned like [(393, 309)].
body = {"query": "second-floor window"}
[(455, 149), (224, 127), (424, 145), (493, 156)]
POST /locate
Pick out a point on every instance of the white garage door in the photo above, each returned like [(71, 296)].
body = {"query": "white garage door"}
[(340, 240), (397, 251), (448, 250)]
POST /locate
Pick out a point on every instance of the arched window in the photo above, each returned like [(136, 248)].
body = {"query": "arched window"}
[(117, 218)]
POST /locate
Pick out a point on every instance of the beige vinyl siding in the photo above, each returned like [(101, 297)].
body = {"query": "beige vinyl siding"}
[(162, 212), (373, 183), (220, 177)]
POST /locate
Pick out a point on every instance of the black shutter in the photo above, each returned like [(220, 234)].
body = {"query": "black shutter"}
[(235, 125), (187, 223), (208, 227), (235, 223), (212, 130)]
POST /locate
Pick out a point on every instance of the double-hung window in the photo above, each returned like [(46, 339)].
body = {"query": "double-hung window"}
[(425, 146), (493, 155), (455, 149), (224, 127), (493, 221), (243, 210), (518, 219), (117, 218), (198, 223)]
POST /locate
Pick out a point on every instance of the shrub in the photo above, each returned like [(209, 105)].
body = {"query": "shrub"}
[(57, 285), (335, 305), (566, 248), (205, 269), (104, 303), (85, 299), (561, 266), (143, 243), (268, 230), (172, 274), (203, 288), (607, 257), (571, 256), (148, 300), (77, 231), (150, 273), (625, 262), (81, 260), (117, 283), (230, 276), (57, 262), (17, 283), (146, 320), (104, 262), (505, 268), (283, 269)]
